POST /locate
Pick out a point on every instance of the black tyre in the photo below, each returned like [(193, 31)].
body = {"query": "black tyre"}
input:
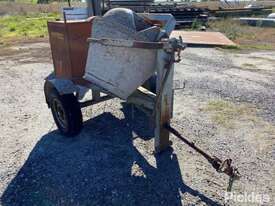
[(66, 113)]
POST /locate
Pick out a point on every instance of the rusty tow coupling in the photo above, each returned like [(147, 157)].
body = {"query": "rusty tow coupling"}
[(174, 46), (219, 165)]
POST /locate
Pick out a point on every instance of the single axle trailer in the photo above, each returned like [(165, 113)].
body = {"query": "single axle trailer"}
[(137, 71), (69, 42)]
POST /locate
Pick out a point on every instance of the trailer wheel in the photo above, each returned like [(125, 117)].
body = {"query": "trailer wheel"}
[(66, 113)]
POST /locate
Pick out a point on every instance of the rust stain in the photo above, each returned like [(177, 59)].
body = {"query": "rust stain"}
[(203, 38), (164, 119), (69, 47)]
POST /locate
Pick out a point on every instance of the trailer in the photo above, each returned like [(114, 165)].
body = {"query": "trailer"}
[(70, 39), (120, 55)]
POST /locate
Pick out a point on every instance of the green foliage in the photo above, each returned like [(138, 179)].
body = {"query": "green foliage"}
[(232, 29), (29, 26), (248, 37), (21, 1), (231, 47), (26, 1), (196, 24), (258, 47)]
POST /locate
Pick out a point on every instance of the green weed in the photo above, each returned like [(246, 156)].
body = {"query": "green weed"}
[(24, 26)]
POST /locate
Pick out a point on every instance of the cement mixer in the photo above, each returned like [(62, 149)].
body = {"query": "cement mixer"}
[(123, 55)]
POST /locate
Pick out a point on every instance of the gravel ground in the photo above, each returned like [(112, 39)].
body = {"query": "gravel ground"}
[(227, 107)]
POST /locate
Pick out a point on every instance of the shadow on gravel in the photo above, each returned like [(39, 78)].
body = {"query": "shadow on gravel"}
[(99, 167)]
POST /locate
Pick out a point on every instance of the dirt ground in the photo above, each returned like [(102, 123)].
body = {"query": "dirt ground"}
[(227, 107)]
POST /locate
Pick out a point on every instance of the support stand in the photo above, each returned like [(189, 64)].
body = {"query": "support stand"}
[(164, 100)]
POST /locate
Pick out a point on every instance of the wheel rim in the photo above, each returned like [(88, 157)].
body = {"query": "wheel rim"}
[(60, 113)]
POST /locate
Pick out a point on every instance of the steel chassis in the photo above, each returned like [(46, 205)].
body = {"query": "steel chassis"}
[(157, 104)]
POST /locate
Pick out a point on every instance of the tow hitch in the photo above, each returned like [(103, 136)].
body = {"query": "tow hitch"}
[(219, 165)]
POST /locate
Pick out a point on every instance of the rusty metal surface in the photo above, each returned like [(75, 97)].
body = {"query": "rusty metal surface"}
[(219, 165), (164, 100), (203, 38), (69, 47), (128, 43)]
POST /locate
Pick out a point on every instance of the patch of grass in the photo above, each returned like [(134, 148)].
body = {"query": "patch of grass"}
[(248, 37), (262, 58), (227, 115), (248, 65), (251, 46), (258, 46), (231, 47), (24, 26), (232, 29), (196, 25), (26, 1), (224, 112)]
